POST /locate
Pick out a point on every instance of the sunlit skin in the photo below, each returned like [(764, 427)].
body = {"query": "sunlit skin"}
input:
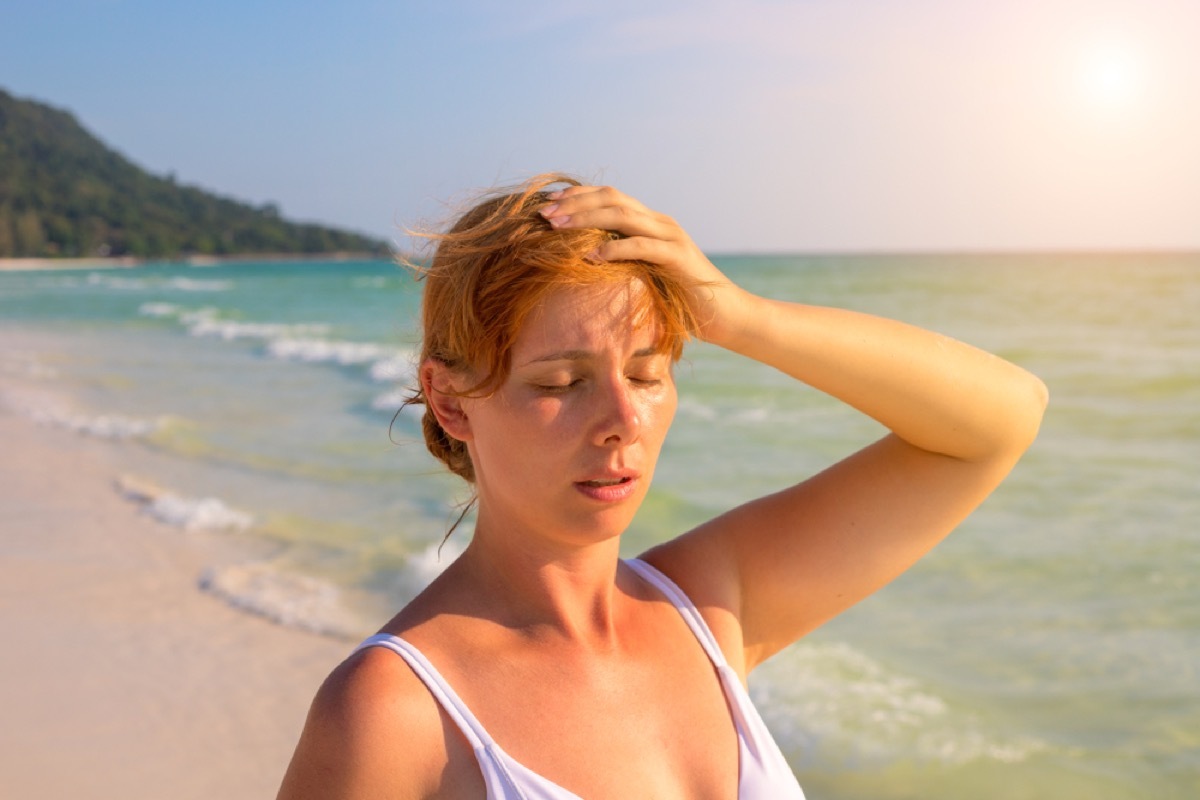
[(572, 663), (565, 449)]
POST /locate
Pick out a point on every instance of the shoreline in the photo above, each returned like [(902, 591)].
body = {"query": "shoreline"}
[(121, 677), (131, 262)]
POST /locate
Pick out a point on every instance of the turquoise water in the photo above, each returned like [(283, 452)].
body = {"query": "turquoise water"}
[(1049, 648)]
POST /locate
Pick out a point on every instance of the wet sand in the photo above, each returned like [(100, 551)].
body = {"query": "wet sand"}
[(118, 677)]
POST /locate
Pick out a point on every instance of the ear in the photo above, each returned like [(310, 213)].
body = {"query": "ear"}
[(439, 383)]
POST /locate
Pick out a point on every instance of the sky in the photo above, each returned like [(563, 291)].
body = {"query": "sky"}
[(760, 125)]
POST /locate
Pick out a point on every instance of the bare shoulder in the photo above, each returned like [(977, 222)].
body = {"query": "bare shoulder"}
[(374, 730), (698, 562)]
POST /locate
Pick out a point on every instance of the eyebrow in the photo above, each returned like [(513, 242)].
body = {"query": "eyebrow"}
[(585, 355)]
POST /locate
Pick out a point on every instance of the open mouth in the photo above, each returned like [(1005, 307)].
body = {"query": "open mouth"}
[(611, 482)]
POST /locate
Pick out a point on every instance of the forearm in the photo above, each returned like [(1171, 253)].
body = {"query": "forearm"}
[(934, 392)]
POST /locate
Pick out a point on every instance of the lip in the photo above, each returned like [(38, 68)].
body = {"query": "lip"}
[(601, 487)]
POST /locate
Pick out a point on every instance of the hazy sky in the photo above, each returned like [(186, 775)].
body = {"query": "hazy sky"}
[(762, 125)]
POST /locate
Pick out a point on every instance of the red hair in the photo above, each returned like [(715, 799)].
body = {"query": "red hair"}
[(495, 266)]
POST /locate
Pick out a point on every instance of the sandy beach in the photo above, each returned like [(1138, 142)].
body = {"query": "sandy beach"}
[(120, 679)]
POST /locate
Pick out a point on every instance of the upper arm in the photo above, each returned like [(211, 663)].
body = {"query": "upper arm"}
[(770, 571), (373, 731)]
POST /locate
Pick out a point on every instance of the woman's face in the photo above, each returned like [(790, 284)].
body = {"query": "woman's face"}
[(566, 447)]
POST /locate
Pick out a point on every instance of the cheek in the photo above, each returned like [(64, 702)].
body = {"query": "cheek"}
[(659, 413), (533, 426)]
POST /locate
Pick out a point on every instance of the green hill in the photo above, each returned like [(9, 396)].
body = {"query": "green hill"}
[(64, 193)]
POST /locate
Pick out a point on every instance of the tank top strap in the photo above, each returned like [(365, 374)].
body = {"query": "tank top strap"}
[(687, 609), (449, 700)]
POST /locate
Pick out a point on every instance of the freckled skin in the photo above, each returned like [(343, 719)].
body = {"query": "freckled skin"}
[(588, 399)]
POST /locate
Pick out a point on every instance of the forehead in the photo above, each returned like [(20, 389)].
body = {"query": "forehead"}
[(590, 318)]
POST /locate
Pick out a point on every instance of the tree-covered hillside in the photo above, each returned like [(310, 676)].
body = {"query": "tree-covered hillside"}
[(63, 193)]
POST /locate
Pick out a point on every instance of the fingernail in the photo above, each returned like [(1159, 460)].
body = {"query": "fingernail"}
[(556, 194), (558, 222), (548, 210), (593, 256)]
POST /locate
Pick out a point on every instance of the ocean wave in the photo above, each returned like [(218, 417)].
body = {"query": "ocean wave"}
[(96, 279), (691, 407), (190, 514), (834, 705), (753, 414), (396, 368), (207, 513), (159, 310), (206, 322), (26, 364), (318, 350), (194, 285), (297, 601), (430, 562), (305, 342), (179, 284), (397, 400), (386, 365), (422, 567), (101, 426), (294, 341)]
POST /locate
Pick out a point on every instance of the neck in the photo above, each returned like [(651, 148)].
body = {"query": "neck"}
[(546, 589)]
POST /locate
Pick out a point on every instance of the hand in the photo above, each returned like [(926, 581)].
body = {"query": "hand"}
[(657, 239)]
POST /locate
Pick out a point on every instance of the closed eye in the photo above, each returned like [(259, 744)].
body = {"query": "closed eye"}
[(557, 388)]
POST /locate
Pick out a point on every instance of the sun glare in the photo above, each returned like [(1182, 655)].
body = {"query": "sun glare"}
[(1111, 75)]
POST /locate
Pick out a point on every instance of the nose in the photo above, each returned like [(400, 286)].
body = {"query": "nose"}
[(618, 420)]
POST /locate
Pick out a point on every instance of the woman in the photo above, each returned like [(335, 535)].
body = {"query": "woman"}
[(539, 664)]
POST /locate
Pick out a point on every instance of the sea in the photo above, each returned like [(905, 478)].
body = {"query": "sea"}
[(1050, 648)]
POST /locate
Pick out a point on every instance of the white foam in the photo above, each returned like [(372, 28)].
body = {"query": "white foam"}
[(113, 282), (317, 350), (159, 310), (191, 514), (297, 601), (751, 415), (433, 560), (396, 400), (179, 284), (194, 285), (689, 406), (25, 364), (196, 514), (304, 342), (209, 324), (396, 368), (422, 567), (103, 426)]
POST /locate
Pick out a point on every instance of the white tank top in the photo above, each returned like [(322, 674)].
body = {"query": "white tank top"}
[(763, 773)]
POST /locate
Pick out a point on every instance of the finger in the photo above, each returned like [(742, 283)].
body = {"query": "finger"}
[(577, 200), (638, 248), (608, 209), (619, 219), (572, 191), (571, 195)]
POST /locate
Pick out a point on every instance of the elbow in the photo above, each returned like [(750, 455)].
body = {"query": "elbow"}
[(1015, 417), (1028, 411)]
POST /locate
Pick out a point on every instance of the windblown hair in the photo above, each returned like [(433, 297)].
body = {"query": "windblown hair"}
[(494, 267)]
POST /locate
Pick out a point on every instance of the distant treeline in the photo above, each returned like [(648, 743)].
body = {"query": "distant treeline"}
[(63, 193)]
